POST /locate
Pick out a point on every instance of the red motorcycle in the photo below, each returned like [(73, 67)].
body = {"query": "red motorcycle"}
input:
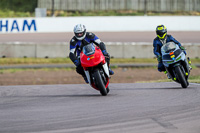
[(95, 67)]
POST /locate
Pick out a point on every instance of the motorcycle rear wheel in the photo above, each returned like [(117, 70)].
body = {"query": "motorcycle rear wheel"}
[(181, 77), (100, 83)]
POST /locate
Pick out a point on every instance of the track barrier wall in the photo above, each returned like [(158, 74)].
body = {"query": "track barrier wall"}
[(116, 50)]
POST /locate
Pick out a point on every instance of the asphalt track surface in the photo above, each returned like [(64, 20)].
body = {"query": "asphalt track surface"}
[(128, 108), (183, 37)]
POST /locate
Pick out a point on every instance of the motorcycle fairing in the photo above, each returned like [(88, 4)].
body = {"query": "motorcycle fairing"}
[(93, 59), (105, 68), (171, 59)]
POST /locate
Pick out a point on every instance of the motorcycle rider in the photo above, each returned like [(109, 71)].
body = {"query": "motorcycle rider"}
[(81, 37), (162, 38)]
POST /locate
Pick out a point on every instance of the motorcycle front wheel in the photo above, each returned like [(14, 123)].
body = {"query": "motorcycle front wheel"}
[(181, 77), (100, 83)]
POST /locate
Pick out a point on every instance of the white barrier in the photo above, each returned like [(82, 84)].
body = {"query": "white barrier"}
[(116, 50), (99, 24)]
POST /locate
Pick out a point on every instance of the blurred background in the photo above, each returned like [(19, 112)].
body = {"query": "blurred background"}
[(23, 8), (35, 35)]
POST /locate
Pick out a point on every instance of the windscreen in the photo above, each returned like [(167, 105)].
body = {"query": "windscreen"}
[(170, 46), (89, 49)]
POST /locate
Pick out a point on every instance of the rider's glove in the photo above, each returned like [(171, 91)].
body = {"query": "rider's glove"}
[(182, 48), (105, 53), (159, 58), (77, 62)]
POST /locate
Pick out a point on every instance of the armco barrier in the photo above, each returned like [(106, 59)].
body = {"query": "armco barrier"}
[(145, 50), (116, 50), (45, 50)]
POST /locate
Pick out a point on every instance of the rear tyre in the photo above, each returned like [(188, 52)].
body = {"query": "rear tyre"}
[(181, 77), (100, 84)]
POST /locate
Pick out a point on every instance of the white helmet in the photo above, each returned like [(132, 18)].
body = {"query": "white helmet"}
[(80, 31)]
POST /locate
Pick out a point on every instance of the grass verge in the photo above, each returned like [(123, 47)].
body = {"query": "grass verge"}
[(194, 79), (61, 13), (18, 61), (13, 14), (14, 70), (120, 13)]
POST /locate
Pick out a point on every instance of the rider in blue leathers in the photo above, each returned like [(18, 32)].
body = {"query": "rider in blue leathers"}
[(162, 38), (82, 37)]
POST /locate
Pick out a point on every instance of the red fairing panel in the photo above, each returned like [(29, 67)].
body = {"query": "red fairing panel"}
[(92, 60)]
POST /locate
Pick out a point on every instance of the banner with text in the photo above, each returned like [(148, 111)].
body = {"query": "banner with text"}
[(99, 24)]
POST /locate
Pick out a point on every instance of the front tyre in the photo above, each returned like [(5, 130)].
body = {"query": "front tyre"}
[(107, 89), (181, 77), (99, 83)]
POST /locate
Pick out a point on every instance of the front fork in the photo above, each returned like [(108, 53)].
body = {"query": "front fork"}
[(106, 70), (88, 76)]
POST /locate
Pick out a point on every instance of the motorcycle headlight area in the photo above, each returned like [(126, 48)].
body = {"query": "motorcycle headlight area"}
[(178, 58), (169, 62)]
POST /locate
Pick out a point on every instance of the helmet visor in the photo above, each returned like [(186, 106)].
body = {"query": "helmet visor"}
[(79, 34), (161, 34)]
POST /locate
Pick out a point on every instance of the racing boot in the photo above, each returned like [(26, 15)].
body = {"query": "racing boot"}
[(111, 72), (86, 80), (168, 76)]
